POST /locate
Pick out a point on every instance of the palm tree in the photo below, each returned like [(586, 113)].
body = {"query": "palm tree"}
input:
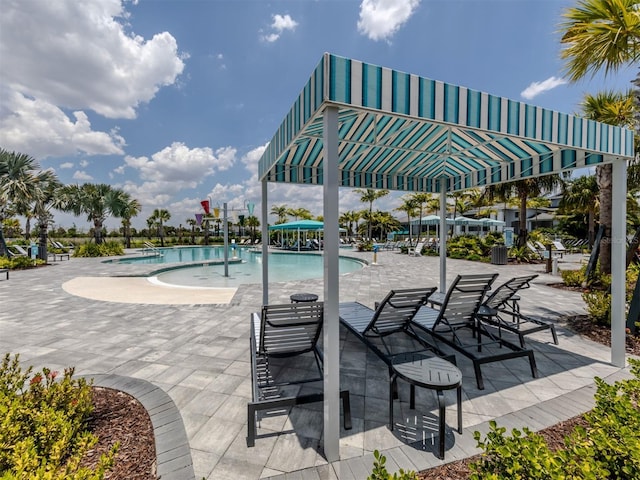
[(299, 213), (192, 223), (96, 201), (280, 211), (130, 208), (601, 34), (580, 196), (421, 199), (523, 190), (159, 217), (616, 109), (348, 219), (410, 207), (25, 191), (253, 223), (385, 222), (369, 195)]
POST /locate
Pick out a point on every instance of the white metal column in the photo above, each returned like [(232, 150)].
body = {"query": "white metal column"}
[(618, 261), (443, 235), (331, 333), (265, 245)]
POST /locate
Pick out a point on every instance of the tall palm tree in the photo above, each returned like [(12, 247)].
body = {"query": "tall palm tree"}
[(44, 199), (580, 196), (421, 200), (159, 217), (192, 223), (601, 34), (280, 211), (410, 207), (96, 201), (369, 196), (130, 208)]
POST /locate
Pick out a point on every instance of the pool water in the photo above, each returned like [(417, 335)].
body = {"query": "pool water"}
[(283, 267)]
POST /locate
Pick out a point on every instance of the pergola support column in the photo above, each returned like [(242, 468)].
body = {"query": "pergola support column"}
[(618, 261), (331, 327), (265, 245), (443, 235)]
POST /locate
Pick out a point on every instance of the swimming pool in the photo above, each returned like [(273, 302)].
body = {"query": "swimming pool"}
[(283, 267)]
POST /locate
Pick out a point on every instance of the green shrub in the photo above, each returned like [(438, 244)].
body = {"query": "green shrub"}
[(105, 249), (574, 278), (20, 263), (42, 425), (608, 448), (380, 471), (598, 306)]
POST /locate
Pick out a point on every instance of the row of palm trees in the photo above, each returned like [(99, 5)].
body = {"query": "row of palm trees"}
[(28, 191)]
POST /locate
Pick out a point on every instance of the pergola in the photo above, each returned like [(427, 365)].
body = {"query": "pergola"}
[(360, 125)]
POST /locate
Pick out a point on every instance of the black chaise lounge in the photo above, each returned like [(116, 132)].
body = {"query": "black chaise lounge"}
[(458, 314), (288, 331), (393, 314), (504, 311)]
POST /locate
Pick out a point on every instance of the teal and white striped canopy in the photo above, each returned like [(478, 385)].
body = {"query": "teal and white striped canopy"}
[(404, 132)]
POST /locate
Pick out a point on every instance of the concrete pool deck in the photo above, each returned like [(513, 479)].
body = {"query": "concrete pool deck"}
[(196, 352)]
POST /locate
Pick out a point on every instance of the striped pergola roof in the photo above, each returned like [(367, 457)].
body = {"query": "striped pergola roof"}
[(404, 132)]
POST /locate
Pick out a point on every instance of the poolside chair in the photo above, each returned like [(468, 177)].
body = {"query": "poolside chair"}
[(21, 252), (393, 315), (502, 310), (458, 314), (559, 248), (417, 252), (285, 331)]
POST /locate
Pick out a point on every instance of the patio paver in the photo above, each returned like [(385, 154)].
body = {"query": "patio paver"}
[(196, 353)]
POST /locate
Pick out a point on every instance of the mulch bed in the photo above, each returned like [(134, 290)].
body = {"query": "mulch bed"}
[(118, 417)]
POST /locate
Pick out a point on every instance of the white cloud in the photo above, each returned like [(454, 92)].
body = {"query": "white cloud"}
[(84, 163), (79, 55), (381, 19), (536, 88), (120, 170), (66, 165), (41, 129), (279, 24), (82, 176)]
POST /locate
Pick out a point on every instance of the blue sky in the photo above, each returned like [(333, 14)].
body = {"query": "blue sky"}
[(175, 100)]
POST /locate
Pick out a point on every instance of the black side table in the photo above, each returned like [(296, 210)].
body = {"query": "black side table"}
[(427, 372), (303, 297)]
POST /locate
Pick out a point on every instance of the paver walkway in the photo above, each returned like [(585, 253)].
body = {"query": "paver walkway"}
[(197, 352)]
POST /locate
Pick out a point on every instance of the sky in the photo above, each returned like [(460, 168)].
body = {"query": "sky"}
[(174, 101)]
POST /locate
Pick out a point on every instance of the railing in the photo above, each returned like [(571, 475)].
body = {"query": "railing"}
[(150, 247)]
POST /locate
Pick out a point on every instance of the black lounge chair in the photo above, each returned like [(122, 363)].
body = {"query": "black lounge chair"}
[(502, 310), (290, 330), (393, 315), (459, 312)]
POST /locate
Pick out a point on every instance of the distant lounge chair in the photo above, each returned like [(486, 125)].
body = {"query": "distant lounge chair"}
[(503, 311), (459, 312), (417, 252), (285, 331), (21, 251)]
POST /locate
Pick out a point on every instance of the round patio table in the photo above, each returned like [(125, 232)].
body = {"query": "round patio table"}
[(430, 372), (303, 297)]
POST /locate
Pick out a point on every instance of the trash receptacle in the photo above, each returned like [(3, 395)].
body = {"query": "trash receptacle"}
[(499, 255)]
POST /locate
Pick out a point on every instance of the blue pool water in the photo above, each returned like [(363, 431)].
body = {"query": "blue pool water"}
[(282, 267)]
